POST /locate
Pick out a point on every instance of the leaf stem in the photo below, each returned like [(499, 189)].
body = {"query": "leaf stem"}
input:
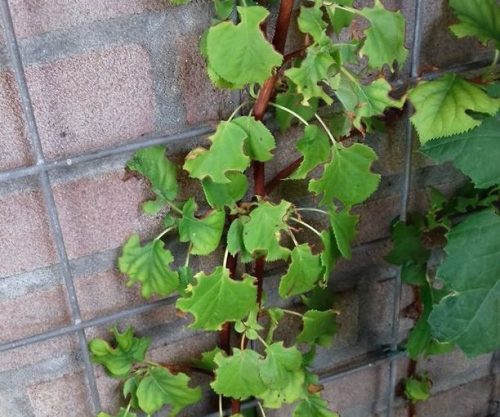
[(293, 238), (325, 127), (317, 210), (261, 409), (226, 254), (175, 208), (293, 313), (221, 410), (164, 232), (279, 106), (312, 229), (261, 340), (188, 254), (242, 342), (348, 9), (236, 110)]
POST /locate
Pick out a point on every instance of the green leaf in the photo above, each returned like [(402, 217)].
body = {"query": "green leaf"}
[(408, 246), (186, 280), (330, 254), (225, 154), (344, 226), (318, 327), (466, 149), (304, 271), (235, 242), (470, 317), (260, 141), (311, 72), (339, 19), (159, 388), (207, 360), (251, 326), (148, 265), (313, 406), (292, 100), (223, 8), (315, 148), (311, 21), (417, 389), (478, 18), (204, 234), (274, 398), (442, 106), (347, 177), (118, 360), (280, 366), (262, 233), (122, 413), (238, 376), (216, 299), (220, 195), (252, 57), (383, 46), (129, 390), (364, 101), (161, 173)]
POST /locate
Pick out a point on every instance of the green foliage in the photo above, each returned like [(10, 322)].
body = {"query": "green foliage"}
[(122, 413), (220, 195), (344, 226), (290, 99), (260, 141), (318, 327), (417, 389)]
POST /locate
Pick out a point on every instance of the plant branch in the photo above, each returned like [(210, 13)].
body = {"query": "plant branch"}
[(281, 175)]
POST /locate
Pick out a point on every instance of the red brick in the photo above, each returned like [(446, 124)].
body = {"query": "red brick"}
[(92, 100), (100, 213), (13, 142), (26, 240), (33, 17), (33, 313)]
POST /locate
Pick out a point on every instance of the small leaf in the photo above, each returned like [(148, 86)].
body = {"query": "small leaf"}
[(204, 234), (226, 154), (319, 327), (252, 57), (417, 389), (216, 299), (262, 233), (408, 246), (478, 18), (207, 360), (292, 100), (186, 280), (260, 140), (148, 265), (238, 376), (344, 226), (223, 8), (220, 195), (315, 147), (330, 254), (313, 406), (442, 106), (159, 388), (251, 326), (235, 244), (118, 361), (311, 21), (339, 19), (280, 365), (383, 46), (347, 177), (304, 271)]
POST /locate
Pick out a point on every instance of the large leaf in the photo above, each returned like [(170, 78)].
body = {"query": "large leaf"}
[(238, 376), (347, 177), (385, 37), (442, 106), (262, 232), (466, 149), (470, 317), (226, 154), (216, 299), (478, 18), (148, 265), (318, 327), (280, 366), (260, 140), (315, 148), (311, 21), (204, 234), (304, 271), (159, 388), (251, 58)]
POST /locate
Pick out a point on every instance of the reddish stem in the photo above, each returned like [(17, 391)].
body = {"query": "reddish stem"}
[(284, 16), (281, 175)]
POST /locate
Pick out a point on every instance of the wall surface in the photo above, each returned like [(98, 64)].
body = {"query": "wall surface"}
[(106, 72)]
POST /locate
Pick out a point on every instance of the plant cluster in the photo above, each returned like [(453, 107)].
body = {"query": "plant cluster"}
[(337, 91)]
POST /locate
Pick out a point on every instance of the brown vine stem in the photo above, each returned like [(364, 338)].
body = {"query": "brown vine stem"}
[(281, 175)]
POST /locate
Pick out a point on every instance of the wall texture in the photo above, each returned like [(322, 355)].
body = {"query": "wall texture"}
[(103, 73)]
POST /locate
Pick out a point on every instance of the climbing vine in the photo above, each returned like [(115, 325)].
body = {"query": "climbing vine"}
[(336, 91)]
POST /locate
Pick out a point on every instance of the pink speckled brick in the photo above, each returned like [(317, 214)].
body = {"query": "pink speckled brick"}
[(33, 17), (26, 241), (93, 100), (100, 213), (14, 146)]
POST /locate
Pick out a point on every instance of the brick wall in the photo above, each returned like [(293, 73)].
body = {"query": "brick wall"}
[(103, 73)]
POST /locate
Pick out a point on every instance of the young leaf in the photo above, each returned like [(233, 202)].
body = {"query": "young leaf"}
[(262, 233), (470, 317), (417, 389), (226, 154), (161, 173), (252, 57), (292, 100), (238, 376), (339, 19), (311, 21), (148, 265), (319, 327), (313, 405), (235, 239), (204, 234), (383, 46), (441, 107), (304, 271), (159, 388), (186, 280), (223, 8), (347, 177), (344, 226), (466, 149), (280, 366), (251, 326), (216, 299), (312, 71), (315, 147), (478, 18), (118, 361), (220, 195), (260, 140)]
